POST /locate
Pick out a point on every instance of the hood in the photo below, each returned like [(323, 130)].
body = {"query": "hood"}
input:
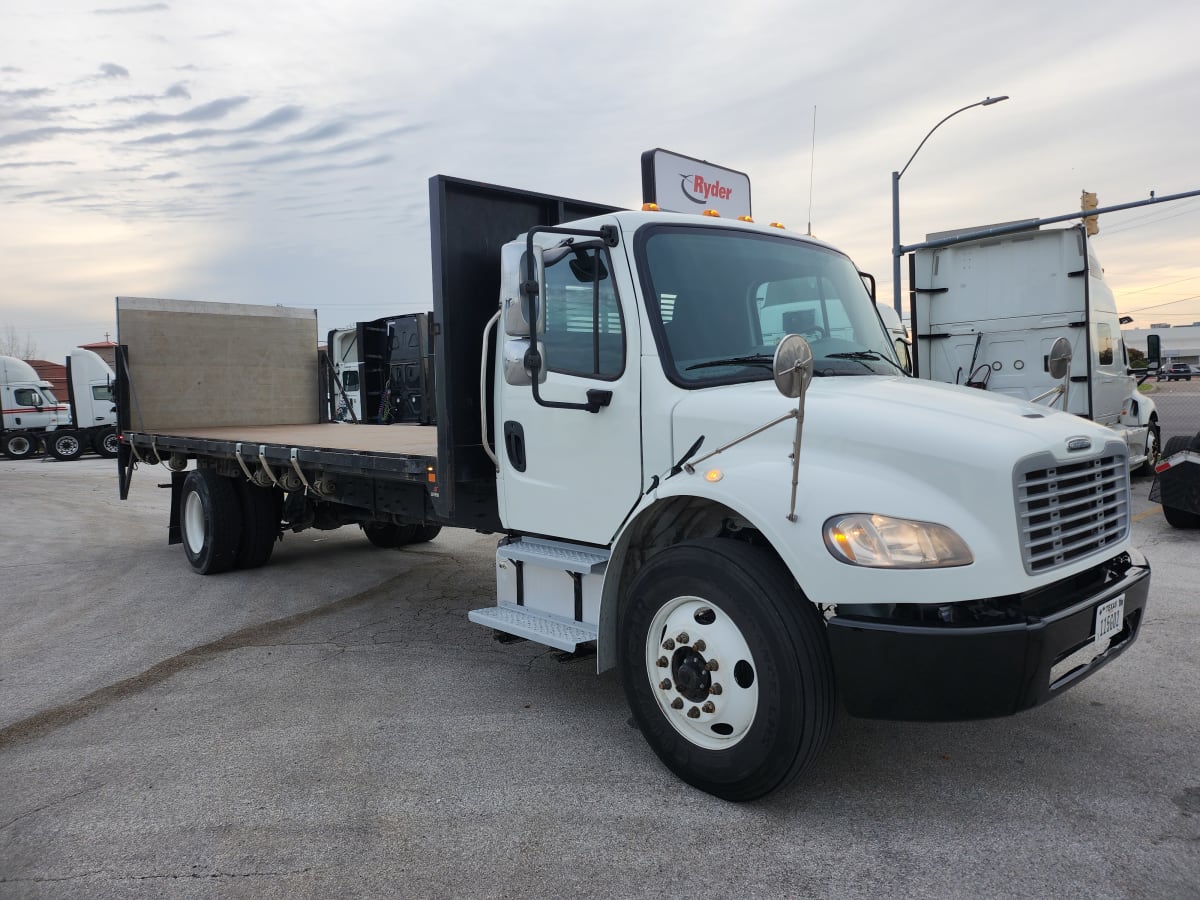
[(887, 419)]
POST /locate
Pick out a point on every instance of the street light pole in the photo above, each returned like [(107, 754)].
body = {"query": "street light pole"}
[(897, 249)]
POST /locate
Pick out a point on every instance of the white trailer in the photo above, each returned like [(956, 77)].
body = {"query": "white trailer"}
[(986, 312)]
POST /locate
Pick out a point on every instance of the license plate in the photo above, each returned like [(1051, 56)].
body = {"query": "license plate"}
[(1110, 618)]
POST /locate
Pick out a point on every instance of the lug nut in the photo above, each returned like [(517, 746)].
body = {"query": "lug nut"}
[(683, 638), (668, 644), (700, 646), (715, 689), (661, 662), (708, 707), (693, 713), (676, 703), (711, 665), (665, 684)]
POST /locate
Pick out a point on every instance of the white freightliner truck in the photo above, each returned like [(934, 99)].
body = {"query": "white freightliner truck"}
[(622, 397), (33, 415), (987, 311)]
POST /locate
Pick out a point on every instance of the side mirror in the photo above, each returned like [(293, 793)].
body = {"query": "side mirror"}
[(515, 303), (1153, 351), (1060, 358), (793, 366)]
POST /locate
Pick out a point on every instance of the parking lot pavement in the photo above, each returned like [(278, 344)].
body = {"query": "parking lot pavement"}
[(333, 725)]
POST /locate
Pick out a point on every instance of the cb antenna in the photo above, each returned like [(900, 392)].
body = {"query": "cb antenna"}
[(812, 160)]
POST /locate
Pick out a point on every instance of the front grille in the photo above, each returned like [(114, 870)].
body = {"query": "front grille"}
[(1066, 511)]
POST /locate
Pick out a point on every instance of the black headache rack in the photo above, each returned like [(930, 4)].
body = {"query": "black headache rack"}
[(470, 222)]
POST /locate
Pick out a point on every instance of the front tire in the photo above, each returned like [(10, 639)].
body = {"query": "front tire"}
[(1153, 446), (64, 445), (20, 445), (211, 521), (726, 668)]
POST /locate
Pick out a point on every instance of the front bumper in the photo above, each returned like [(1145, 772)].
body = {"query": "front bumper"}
[(935, 672)]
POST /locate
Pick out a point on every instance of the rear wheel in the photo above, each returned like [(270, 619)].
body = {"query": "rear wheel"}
[(726, 668), (388, 535), (1176, 517), (423, 534), (20, 445), (262, 512), (64, 445), (211, 521), (106, 443)]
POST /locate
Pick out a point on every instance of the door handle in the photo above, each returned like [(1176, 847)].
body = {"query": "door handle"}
[(514, 444)]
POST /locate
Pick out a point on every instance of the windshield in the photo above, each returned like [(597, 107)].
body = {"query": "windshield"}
[(720, 300)]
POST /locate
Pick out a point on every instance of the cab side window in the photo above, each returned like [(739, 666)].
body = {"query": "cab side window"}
[(584, 331), (28, 397), (1104, 343)]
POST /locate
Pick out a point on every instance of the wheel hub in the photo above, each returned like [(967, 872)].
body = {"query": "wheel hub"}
[(690, 671), (694, 654)]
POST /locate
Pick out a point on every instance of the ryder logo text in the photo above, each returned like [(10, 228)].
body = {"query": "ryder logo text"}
[(696, 189)]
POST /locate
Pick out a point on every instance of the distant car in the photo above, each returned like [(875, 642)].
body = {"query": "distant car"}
[(1175, 372)]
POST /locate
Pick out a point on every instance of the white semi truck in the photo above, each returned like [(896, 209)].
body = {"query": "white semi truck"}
[(695, 442), (34, 416), (986, 312)]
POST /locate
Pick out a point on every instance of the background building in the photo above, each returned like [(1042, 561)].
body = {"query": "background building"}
[(1179, 343)]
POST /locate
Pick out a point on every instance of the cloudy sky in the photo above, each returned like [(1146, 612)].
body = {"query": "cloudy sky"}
[(272, 152)]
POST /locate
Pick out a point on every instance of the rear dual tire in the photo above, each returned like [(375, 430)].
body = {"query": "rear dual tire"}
[(210, 521)]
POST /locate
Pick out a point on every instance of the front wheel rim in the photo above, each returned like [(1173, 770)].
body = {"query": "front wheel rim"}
[(701, 672)]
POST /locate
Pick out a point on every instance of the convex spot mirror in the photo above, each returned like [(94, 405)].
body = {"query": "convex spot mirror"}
[(1059, 362), (793, 366), (515, 370)]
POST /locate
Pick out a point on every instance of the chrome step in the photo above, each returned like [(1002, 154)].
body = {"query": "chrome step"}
[(540, 627), (555, 555)]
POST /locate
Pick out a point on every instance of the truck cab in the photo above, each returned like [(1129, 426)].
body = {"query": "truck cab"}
[(986, 312), (29, 408)]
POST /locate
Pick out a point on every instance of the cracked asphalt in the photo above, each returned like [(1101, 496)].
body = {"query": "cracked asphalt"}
[(332, 725)]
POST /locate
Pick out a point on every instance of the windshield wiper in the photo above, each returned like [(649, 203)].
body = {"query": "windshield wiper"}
[(867, 354), (758, 359)]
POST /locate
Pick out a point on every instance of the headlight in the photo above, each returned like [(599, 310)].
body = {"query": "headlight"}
[(882, 542)]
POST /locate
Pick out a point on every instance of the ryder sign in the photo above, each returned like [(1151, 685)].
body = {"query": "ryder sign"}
[(682, 184)]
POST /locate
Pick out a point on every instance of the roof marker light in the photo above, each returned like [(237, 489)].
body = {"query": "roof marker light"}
[(649, 207), (745, 219), (712, 212), (777, 225)]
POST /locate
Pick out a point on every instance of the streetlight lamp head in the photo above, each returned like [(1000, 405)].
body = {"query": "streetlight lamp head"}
[(990, 100)]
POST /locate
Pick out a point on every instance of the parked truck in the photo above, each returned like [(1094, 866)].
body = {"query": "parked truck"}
[(986, 312), (34, 417), (703, 462), (381, 372)]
